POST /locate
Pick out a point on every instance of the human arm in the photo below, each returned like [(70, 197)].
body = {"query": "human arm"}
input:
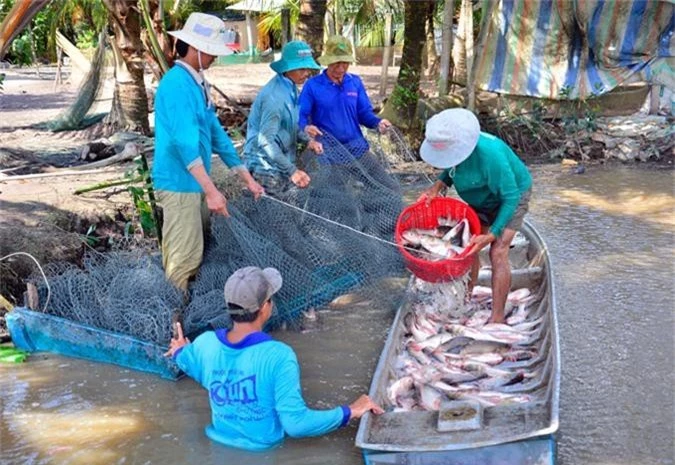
[(185, 354), (215, 200), (269, 140), (222, 145), (501, 181), (300, 421), (305, 104), (479, 242), (432, 192)]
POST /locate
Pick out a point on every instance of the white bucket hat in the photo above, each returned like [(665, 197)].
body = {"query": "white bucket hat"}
[(204, 32), (450, 137)]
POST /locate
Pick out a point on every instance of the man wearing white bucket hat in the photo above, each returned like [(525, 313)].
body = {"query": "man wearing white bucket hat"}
[(187, 132), (273, 134), (490, 178)]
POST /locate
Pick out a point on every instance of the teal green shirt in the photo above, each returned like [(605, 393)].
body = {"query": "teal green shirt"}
[(492, 178)]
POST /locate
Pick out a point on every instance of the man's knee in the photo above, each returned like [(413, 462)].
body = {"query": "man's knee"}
[(499, 252)]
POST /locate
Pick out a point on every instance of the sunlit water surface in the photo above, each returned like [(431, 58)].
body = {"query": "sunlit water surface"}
[(610, 234)]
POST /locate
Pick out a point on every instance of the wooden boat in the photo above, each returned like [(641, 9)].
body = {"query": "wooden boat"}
[(458, 427)]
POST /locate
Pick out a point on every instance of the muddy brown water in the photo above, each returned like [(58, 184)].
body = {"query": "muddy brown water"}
[(610, 234)]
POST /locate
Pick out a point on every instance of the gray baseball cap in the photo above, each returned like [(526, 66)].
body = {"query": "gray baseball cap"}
[(248, 288)]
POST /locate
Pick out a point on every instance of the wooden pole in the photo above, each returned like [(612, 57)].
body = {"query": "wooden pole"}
[(446, 48), (654, 99), (468, 25), (386, 56), (33, 53), (285, 26), (249, 33), (488, 10), (59, 58)]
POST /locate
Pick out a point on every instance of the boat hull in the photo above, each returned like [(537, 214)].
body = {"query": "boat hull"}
[(418, 431)]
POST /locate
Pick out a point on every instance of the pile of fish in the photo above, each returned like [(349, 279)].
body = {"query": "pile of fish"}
[(447, 240), (454, 353)]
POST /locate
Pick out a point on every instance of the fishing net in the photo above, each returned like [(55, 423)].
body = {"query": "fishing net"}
[(332, 238), (91, 103)]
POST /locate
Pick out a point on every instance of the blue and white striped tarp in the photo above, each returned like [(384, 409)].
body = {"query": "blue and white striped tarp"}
[(575, 48)]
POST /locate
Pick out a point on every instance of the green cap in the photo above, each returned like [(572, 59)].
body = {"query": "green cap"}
[(337, 49)]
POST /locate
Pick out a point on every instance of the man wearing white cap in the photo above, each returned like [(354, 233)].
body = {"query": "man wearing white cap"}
[(491, 179), (253, 381), (187, 132)]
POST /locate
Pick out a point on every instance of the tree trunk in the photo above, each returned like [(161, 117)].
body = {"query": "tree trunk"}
[(446, 48), (431, 56), (310, 24), (401, 106), (467, 18), (130, 103)]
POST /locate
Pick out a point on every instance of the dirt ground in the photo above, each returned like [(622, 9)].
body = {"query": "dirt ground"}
[(40, 214)]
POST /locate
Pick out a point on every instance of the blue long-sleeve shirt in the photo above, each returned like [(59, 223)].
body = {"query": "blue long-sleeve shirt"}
[(272, 134), (254, 391), (187, 132), (338, 109), (492, 178)]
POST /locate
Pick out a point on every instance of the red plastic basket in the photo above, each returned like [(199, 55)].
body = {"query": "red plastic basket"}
[(419, 215)]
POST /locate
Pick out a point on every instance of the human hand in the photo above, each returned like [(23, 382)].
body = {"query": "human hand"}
[(255, 188), (427, 195), (477, 243), (312, 131), (177, 342), (383, 126), (300, 178), (362, 405), (217, 203), (315, 146)]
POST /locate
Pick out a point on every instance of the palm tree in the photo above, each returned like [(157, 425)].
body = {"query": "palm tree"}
[(130, 103), (17, 19), (310, 23), (401, 106)]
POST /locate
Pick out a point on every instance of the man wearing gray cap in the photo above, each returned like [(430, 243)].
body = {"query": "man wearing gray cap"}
[(254, 381)]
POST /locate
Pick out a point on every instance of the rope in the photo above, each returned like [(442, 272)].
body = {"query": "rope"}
[(49, 291), (328, 220)]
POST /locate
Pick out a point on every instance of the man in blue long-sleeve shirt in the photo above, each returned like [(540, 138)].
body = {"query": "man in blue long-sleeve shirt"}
[(187, 132), (336, 102), (333, 106), (253, 381)]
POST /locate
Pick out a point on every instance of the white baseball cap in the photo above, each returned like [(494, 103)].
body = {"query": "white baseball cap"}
[(249, 288), (204, 32), (450, 137)]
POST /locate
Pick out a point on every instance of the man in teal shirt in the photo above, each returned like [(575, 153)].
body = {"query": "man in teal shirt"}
[(187, 133), (491, 179), (252, 380)]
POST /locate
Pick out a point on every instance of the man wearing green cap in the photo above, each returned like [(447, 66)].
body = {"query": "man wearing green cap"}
[(333, 106), (336, 102), (273, 134)]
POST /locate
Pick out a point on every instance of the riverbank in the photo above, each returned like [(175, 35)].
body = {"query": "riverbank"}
[(40, 214)]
